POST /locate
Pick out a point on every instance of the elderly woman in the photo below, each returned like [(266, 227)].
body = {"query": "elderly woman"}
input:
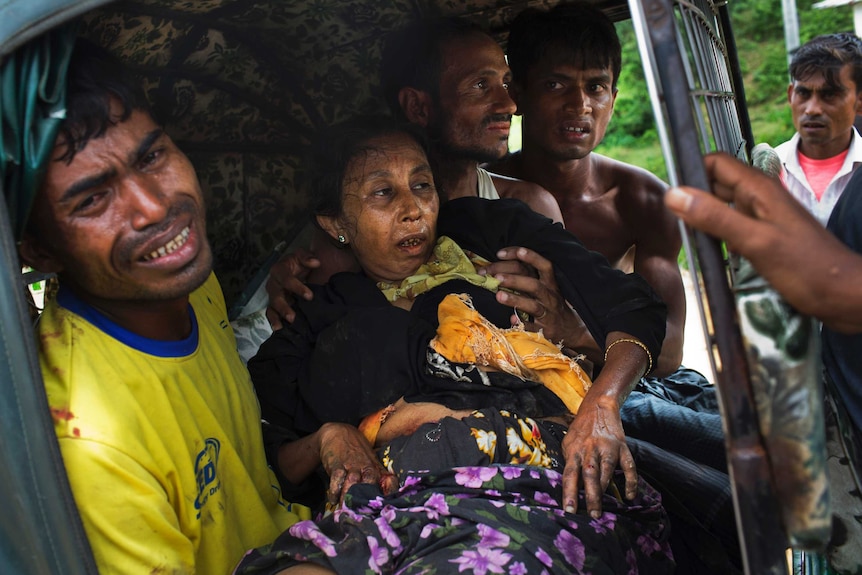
[(476, 418)]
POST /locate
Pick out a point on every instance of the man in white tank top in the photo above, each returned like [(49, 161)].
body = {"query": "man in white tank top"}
[(451, 78)]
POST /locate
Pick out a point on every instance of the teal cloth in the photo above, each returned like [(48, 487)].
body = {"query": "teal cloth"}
[(32, 106)]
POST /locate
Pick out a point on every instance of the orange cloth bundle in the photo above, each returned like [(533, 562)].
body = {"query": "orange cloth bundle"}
[(465, 336)]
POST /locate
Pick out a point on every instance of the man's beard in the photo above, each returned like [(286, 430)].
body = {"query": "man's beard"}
[(448, 141)]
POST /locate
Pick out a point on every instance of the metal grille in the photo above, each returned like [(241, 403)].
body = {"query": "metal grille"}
[(707, 71)]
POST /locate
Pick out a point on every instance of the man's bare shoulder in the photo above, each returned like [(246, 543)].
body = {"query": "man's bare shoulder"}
[(538, 198), (640, 200), (633, 181), (508, 186)]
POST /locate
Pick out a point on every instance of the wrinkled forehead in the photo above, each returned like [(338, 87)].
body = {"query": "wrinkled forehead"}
[(379, 156), (101, 157)]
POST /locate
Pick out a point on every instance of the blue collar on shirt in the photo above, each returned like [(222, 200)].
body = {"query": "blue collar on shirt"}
[(155, 347)]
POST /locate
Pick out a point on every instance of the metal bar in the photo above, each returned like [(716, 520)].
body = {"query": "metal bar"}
[(722, 94), (691, 82), (758, 521), (657, 101), (736, 76)]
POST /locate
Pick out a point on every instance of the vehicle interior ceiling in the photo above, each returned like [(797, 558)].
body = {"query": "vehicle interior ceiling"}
[(242, 86)]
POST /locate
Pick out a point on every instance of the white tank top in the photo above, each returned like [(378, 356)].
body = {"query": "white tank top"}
[(486, 185)]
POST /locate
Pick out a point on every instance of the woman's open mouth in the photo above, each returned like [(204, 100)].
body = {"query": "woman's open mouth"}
[(413, 245)]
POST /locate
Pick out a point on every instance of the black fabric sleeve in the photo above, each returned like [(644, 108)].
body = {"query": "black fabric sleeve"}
[(348, 353), (606, 299), (283, 374), (276, 370), (310, 492)]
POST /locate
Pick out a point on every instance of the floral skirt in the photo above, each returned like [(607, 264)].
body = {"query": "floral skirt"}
[(495, 517)]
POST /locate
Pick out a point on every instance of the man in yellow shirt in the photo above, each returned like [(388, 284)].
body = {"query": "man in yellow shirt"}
[(156, 416)]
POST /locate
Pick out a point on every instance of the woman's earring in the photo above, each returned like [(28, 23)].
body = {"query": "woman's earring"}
[(342, 239)]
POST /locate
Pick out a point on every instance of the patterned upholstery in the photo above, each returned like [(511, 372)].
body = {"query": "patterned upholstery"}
[(242, 85)]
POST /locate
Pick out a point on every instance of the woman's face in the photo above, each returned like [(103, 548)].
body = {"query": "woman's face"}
[(389, 208)]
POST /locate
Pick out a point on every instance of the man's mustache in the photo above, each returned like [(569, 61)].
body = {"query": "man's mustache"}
[(495, 118), (820, 119), (180, 208)]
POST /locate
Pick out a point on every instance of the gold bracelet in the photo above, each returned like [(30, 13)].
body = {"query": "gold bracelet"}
[(638, 343)]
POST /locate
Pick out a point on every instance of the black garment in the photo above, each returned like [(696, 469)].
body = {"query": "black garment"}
[(699, 504), (307, 374), (841, 358), (842, 366), (605, 298), (452, 442), (350, 352), (684, 387), (489, 519)]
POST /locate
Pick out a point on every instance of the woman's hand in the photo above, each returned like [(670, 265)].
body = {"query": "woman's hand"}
[(539, 296), (596, 442), (348, 459), (593, 447)]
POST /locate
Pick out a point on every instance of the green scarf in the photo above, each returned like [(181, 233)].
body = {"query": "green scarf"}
[(448, 261)]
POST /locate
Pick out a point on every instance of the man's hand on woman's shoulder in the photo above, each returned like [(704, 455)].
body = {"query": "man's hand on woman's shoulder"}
[(286, 282)]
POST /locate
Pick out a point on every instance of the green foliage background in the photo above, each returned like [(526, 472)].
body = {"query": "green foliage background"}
[(759, 32)]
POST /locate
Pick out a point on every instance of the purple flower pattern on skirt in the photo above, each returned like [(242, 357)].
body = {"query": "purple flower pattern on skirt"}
[(446, 522)]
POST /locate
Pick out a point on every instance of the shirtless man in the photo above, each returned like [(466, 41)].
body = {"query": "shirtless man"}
[(451, 78), (565, 65)]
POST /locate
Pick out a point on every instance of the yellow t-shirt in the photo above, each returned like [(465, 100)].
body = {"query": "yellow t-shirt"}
[(161, 440)]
